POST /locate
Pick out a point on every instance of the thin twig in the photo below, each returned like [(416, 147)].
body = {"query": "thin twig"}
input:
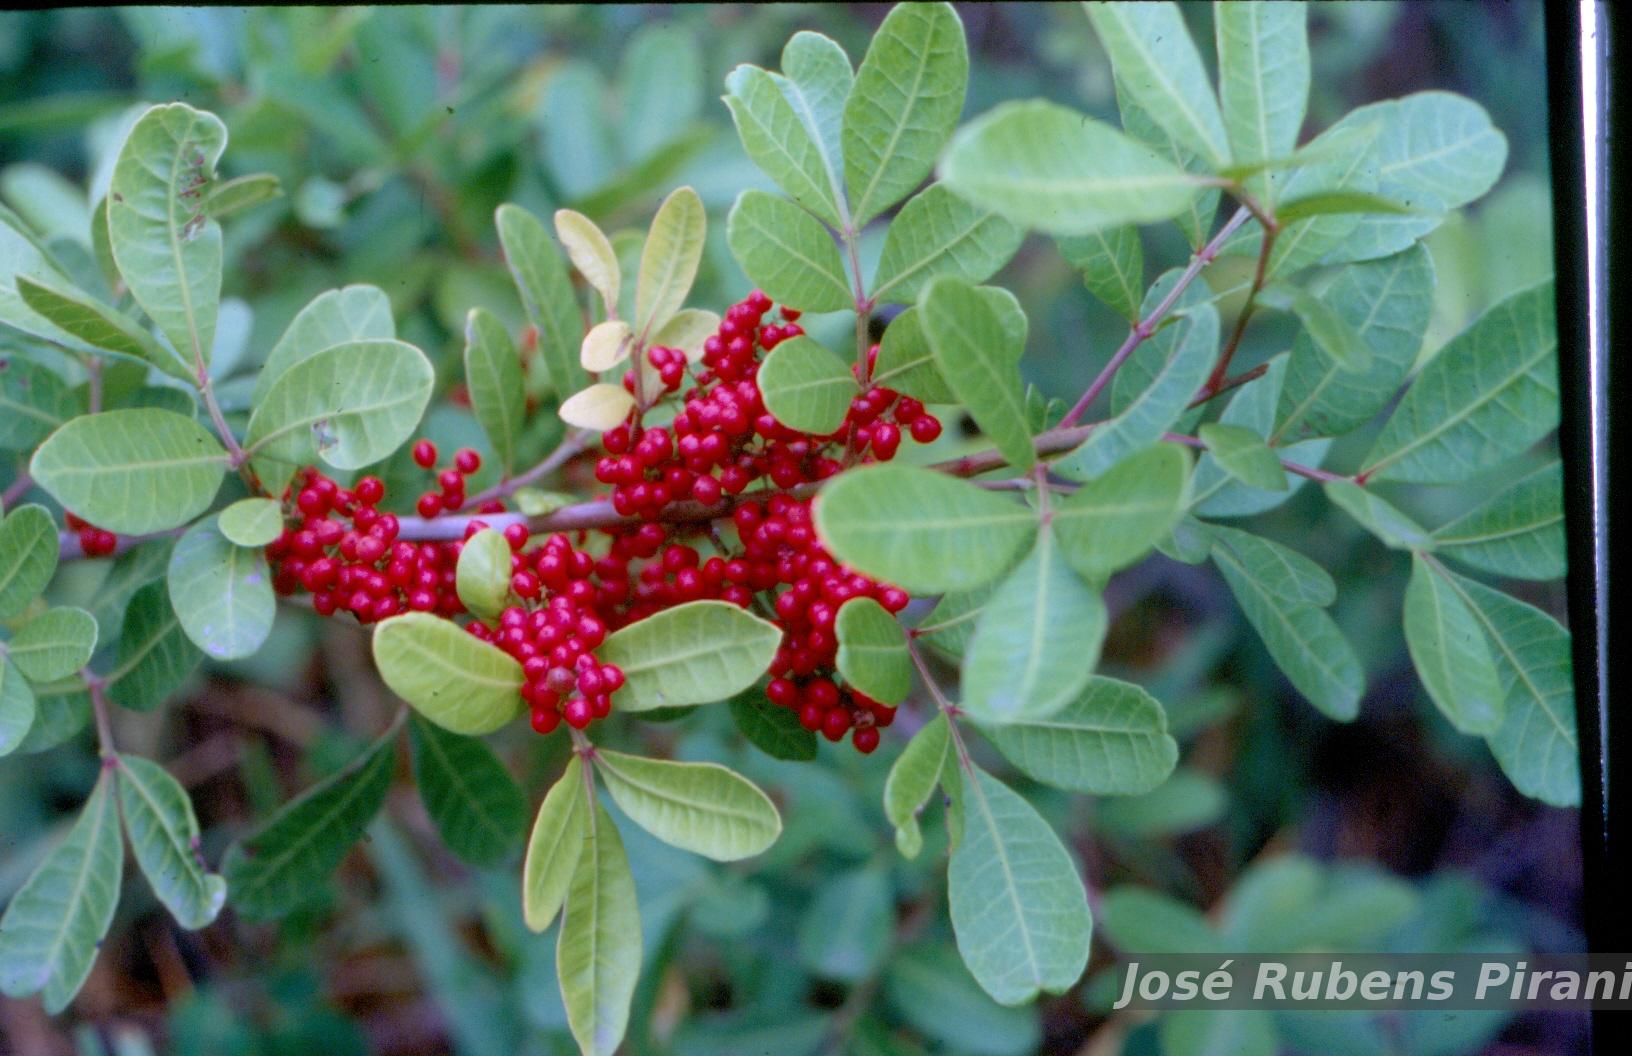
[(1143, 329), (1312, 472), (574, 444)]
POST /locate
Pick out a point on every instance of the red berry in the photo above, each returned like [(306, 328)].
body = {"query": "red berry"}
[(467, 461), (370, 490), (925, 429), (429, 505), (425, 454), (865, 739)]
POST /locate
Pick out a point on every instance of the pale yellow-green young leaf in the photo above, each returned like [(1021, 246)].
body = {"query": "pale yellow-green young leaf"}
[(591, 254), (482, 576), (600, 407), (687, 331), (598, 955), (555, 846), (452, 678), (606, 345), (699, 807), (669, 259)]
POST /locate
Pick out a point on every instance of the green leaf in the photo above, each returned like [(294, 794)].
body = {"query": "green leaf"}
[(57, 711), (1112, 262), (132, 471), (18, 708), (1263, 78), (1489, 394), (1302, 640), (1387, 303), (1278, 569), (906, 100), (1244, 455), (1112, 521), (498, 392), (1159, 406), (226, 197), (279, 865), (699, 807), (482, 576), (1111, 740), (1018, 906), (1433, 151), (56, 921), (53, 645), (920, 530), (252, 522), (546, 292), (1156, 62), (477, 806), (22, 254), (913, 779), (1536, 742), (555, 846), (1214, 492), (787, 253), (817, 79), (33, 402), (1335, 203), (1050, 168), (1036, 642), (781, 142), (334, 317), (164, 839), (669, 259), (806, 387), (1331, 333), (694, 653), (1449, 650), (222, 592), (660, 88), (938, 233), (99, 326), (155, 655), (28, 557), (351, 405), (1378, 516), (846, 930), (454, 679), (167, 248), (1518, 534), (951, 623), (773, 730), (906, 364), (977, 351), (873, 651), (597, 957)]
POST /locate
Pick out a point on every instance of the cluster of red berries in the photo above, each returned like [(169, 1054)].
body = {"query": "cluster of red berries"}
[(94, 541), (724, 439), (568, 595), (555, 642), (780, 548), (451, 480), (346, 553)]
